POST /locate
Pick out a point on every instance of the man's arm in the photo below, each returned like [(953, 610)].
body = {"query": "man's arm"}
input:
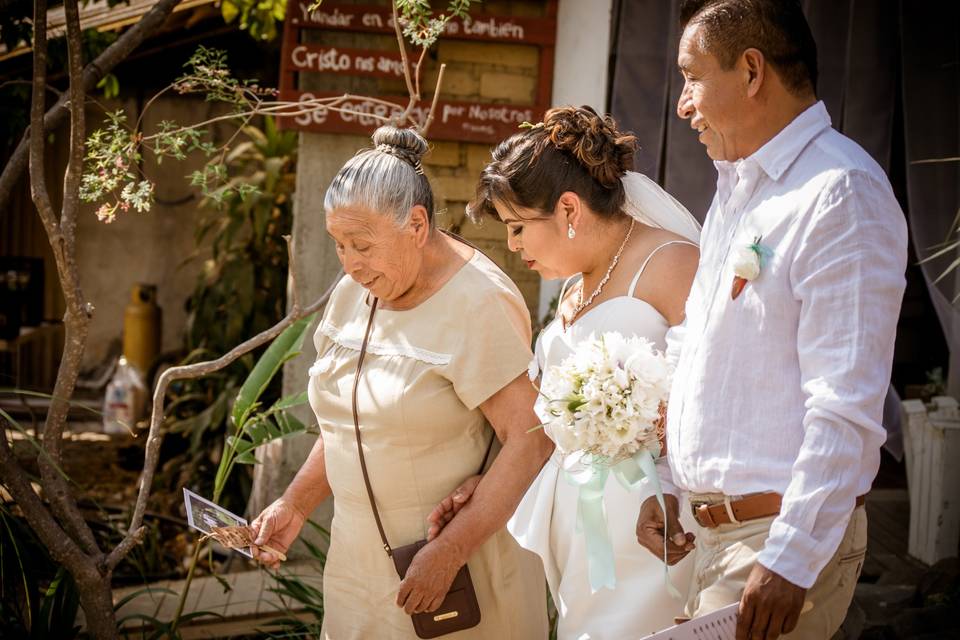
[(849, 276)]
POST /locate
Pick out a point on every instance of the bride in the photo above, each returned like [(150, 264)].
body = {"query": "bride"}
[(572, 207)]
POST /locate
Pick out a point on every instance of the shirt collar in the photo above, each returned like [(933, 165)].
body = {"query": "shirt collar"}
[(776, 156)]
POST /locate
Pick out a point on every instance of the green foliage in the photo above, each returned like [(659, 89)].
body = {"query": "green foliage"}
[(297, 595), (260, 18), (110, 86), (240, 292), (419, 24), (207, 72), (112, 164), (112, 175), (252, 429), (38, 599), (16, 25), (16, 30)]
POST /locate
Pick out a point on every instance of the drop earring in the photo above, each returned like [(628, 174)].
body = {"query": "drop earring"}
[(571, 233)]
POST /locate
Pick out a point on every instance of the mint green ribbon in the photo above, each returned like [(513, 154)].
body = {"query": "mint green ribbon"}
[(592, 517)]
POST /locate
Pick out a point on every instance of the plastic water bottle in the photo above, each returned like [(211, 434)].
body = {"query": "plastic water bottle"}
[(121, 404)]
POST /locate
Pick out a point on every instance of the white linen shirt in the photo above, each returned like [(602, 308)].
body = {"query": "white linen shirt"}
[(782, 389)]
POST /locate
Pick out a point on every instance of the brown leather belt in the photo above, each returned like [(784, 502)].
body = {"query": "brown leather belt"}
[(751, 507)]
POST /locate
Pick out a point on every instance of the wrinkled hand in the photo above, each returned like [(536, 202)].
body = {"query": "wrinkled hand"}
[(278, 526), (444, 512), (650, 529), (429, 578), (770, 606)]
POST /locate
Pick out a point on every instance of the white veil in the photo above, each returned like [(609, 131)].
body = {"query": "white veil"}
[(651, 205)]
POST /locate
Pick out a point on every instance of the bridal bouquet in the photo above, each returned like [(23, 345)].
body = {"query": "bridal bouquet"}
[(606, 401)]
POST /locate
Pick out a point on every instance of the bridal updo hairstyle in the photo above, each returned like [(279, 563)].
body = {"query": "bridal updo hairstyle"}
[(573, 149), (386, 178)]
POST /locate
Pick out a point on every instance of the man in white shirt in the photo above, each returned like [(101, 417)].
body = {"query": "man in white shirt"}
[(774, 422)]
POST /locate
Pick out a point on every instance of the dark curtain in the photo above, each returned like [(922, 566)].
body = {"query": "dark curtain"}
[(889, 76)]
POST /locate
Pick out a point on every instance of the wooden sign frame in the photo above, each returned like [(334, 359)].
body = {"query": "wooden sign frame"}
[(462, 121)]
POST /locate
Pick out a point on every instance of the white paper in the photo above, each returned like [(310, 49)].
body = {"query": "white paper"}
[(719, 625)]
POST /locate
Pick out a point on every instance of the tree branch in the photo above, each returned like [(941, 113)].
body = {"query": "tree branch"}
[(419, 67), (120, 552), (414, 95), (92, 74), (292, 273), (15, 478), (403, 54), (196, 370), (74, 172), (433, 105), (76, 322), (38, 177), (286, 109)]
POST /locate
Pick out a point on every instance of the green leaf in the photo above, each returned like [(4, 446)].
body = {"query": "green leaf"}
[(286, 346), (139, 592), (290, 401), (264, 431), (229, 12)]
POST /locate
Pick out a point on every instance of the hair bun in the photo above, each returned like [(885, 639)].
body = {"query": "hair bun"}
[(594, 140), (406, 144)]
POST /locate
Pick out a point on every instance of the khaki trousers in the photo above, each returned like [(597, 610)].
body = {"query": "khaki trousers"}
[(725, 556)]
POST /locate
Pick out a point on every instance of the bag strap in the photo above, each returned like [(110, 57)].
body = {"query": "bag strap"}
[(356, 428)]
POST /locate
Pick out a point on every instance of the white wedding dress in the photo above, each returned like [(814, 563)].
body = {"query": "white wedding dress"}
[(546, 520)]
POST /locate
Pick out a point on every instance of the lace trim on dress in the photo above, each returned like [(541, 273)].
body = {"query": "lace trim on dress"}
[(384, 349)]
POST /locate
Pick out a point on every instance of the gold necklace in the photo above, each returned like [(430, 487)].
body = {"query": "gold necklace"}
[(581, 305)]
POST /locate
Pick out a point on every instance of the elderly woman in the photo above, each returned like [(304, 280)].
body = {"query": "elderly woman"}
[(446, 360)]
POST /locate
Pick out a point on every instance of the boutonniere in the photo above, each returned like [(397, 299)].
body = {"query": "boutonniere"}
[(747, 263)]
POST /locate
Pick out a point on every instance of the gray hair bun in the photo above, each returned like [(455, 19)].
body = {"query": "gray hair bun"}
[(405, 144)]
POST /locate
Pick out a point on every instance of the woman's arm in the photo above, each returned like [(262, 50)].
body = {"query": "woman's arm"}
[(280, 523), (310, 486), (510, 412)]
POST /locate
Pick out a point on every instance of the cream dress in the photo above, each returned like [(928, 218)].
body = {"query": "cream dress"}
[(426, 372), (546, 520)]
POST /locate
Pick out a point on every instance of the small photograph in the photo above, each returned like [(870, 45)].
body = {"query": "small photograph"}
[(204, 515)]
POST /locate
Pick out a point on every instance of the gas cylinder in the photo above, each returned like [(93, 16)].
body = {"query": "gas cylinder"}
[(142, 322)]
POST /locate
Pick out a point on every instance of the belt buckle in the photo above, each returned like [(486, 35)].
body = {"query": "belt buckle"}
[(706, 519), (694, 505)]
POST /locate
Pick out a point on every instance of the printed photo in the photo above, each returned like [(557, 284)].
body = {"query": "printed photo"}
[(204, 515)]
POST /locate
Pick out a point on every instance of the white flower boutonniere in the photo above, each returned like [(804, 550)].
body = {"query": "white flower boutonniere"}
[(747, 263)]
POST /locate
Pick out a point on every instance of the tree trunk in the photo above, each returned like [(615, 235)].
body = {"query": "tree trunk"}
[(96, 598)]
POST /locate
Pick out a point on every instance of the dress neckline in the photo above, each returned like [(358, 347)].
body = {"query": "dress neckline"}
[(366, 297), (585, 314)]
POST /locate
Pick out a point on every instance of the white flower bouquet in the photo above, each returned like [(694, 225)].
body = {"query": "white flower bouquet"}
[(606, 399), (606, 403)]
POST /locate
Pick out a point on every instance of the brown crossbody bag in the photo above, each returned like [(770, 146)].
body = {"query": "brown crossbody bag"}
[(460, 609)]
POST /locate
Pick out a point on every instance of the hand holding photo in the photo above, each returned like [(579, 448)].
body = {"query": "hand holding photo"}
[(239, 538)]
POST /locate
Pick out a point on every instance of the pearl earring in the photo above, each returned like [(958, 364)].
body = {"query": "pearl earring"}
[(571, 233)]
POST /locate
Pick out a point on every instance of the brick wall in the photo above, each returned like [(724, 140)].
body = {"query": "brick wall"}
[(476, 71)]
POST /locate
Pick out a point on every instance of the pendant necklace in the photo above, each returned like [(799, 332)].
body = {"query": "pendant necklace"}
[(581, 305)]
